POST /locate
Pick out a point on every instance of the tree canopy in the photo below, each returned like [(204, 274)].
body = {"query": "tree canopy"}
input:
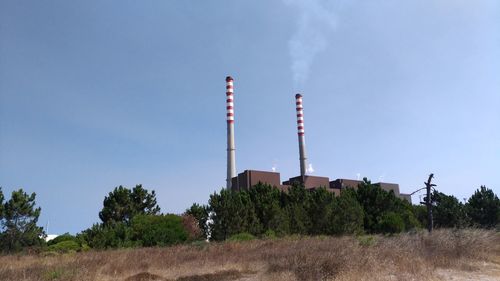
[(122, 204), (19, 217), (483, 208), (265, 209), (448, 211)]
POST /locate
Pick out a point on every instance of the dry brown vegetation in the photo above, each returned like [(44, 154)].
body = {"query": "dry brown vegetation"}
[(417, 256)]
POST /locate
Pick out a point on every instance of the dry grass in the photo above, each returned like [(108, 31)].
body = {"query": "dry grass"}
[(405, 257)]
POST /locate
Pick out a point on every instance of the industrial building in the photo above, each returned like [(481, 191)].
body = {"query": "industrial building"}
[(249, 178)]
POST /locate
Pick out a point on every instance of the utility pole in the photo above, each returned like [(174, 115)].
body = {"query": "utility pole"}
[(428, 202)]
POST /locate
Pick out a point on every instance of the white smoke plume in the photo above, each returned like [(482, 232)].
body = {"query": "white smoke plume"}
[(381, 178), (310, 169), (316, 21)]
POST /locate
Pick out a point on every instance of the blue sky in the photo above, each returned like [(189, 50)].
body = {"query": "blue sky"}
[(96, 94)]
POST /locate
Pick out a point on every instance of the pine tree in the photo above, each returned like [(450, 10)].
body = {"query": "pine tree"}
[(347, 214), (448, 211), (20, 217), (483, 208), (320, 210), (296, 205), (122, 204)]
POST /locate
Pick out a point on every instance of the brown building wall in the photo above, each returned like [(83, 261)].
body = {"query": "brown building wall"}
[(344, 183), (347, 183), (309, 181), (406, 197), (389, 186), (250, 178), (234, 184)]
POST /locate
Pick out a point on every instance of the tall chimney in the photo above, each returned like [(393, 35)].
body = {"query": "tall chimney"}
[(231, 161), (300, 132)]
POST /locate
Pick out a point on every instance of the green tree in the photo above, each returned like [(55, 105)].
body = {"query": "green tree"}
[(483, 208), (391, 222), (232, 212), (346, 215), (320, 210), (19, 220), (224, 216), (420, 213), (296, 204), (266, 202), (1, 205), (122, 204), (447, 211), (377, 202), (406, 213)]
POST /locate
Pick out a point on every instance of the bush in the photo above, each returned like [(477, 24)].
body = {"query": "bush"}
[(269, 234), (409, 220), (102, 236), (64, 237), (367, 240), (158, 230), (191, 225), (65, 247), (242, 237), (391, 223), (144, 230)]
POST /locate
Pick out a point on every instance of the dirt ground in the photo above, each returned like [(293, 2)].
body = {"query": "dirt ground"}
[(478, 272), (483, 271)]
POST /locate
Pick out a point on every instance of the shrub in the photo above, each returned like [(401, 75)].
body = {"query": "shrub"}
[(366, 240), (158, 230), (192, 228), (391, 222), (65, 247), (269, 234), (200, 213), (64, 237), (102, 236), (242, 237), (409, 220)]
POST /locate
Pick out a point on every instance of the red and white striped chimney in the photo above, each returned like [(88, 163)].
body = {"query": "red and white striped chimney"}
[(231, 161), (300, 132)]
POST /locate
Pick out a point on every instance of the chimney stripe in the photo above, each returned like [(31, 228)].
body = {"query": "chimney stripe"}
[(300, 132), (231, 162)]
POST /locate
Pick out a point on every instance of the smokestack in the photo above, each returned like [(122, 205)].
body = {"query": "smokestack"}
[(300, 132), (231, 161)]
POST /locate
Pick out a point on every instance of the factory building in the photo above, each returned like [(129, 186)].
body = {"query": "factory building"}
[(250, 178), (340, 184), (310, 182)]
